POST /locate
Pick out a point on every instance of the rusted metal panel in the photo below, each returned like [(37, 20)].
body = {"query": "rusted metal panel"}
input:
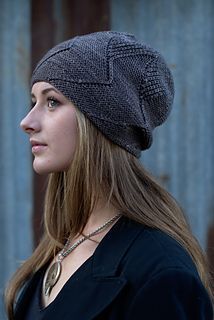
[(52, 22), (43, 28), (182, 156), (15, 172), (80, 17)]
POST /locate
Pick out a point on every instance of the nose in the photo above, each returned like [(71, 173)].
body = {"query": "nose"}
[(30, 123)]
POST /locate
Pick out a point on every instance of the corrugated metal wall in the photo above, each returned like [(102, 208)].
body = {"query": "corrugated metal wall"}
[(183, 153), (182, 156), (15, 158)]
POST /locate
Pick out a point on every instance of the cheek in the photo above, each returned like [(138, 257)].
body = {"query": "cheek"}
[(59, 154), (65, 141), (61, 135), (68, 135)]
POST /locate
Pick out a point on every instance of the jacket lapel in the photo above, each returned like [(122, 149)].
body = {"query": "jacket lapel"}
[(86, 296), (25, 296)]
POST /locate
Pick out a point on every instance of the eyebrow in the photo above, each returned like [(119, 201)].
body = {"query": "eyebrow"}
[(45, 91)]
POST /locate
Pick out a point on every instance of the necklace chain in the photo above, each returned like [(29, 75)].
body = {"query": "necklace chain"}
[(54, 271), (64, 253)]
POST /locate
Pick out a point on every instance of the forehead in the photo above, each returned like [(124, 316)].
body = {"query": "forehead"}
[(42, 88)]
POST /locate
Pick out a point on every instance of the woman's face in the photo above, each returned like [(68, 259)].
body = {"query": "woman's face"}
[(52, 128)]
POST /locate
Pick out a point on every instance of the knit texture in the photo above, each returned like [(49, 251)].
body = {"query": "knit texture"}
[(124, 87)]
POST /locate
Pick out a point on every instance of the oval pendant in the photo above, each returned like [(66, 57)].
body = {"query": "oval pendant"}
[(51, 277)]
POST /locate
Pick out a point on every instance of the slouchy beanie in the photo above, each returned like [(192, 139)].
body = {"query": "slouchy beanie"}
[(123, 86)]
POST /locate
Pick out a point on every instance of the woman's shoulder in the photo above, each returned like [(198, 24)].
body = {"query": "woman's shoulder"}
[(154, 251), (163, 278)]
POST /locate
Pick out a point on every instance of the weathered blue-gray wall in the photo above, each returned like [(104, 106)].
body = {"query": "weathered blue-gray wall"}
[(183, 152), (15, 158), (182, 155)]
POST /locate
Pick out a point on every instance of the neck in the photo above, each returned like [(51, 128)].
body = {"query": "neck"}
[(100, 214)]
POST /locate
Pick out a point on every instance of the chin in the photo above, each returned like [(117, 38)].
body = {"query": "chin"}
[(43, 169)]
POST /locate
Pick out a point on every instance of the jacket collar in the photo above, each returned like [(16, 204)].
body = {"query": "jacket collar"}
[(114, 246)]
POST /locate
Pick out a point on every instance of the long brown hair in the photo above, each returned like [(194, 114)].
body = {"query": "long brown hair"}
[(102, 169)]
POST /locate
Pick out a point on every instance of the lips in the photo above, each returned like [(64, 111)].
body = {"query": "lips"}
[(37, 143), (37, 146)]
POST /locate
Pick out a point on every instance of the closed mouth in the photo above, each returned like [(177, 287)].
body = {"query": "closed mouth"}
[(37, 143)]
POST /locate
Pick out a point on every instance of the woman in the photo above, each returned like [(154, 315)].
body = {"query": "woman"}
[(116, 245)]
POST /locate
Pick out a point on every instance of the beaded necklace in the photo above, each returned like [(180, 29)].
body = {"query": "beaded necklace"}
[(53, 273)]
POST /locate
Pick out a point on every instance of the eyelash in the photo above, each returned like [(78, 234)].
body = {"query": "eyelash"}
[(52, 99), (49, 100)]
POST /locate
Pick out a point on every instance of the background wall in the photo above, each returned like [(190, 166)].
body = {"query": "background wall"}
[(15, 157), (182, 155)]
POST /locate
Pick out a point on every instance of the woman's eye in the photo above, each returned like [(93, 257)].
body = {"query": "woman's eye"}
[(53, 103)]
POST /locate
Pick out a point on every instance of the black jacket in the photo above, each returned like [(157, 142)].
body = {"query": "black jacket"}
[(135, 273)]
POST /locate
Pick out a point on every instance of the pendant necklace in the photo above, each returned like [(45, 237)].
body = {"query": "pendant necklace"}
[(53, 274)]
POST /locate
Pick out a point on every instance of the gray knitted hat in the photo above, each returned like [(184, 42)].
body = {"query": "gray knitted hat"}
[(124, 87)]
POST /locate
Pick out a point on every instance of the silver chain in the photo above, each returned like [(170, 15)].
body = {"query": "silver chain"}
[(64, 253)]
